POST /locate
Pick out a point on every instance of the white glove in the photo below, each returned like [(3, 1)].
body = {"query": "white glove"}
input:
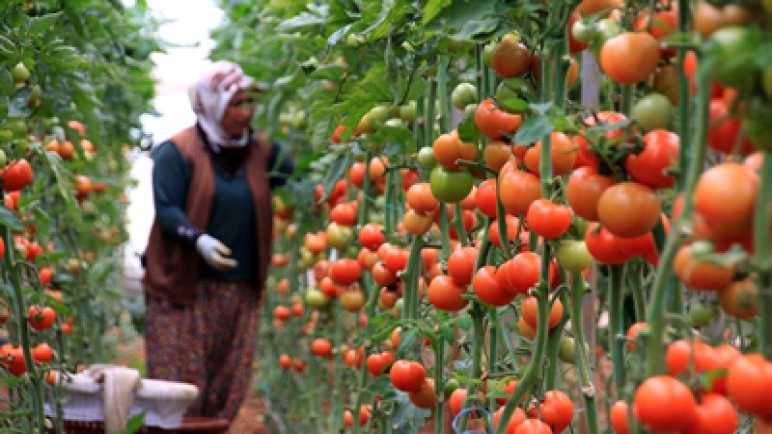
[(214, 252)]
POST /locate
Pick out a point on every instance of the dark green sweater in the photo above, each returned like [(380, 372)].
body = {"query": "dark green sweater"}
[(232, 219)]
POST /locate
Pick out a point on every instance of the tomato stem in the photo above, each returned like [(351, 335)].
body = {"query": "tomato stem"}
[(444, 232), (616, 326), (442, 93), (412, 273), (761, 236), (636, 287), (553, 346), (439, 364), (458, 223), (659, 291), (578, 289)]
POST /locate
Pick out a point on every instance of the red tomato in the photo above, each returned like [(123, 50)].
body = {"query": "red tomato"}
[(517, 418), (715, 415), (700, 274), (529, 309), (664, 404), (486, 198), (41, 318), (548, 219), (461, 265), (493, 122), (444, 294), (16, 175), (660, 153), (556, 410), (724, 129), (749, 381), (425, 396), (619, 418), (345, 271), (487, 288), (517, 190), (533, 426), (521, 273), (603, 246), (344, 213), (407, 376), (371, 236), (725, 195)]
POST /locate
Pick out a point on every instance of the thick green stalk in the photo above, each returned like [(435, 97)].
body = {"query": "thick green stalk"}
[(636, 287), (657, 301), (388, 219), (412, 272), (478, 339), (334, 421), (553, 347), (616, 326), (444, 232), (458, 223), (764, 255), (439, 365), (482, 77), (419, 126), (442, 94), (430, 108), (534, 371), (578, 288), (683, 93), (362, 206), (504, 338)]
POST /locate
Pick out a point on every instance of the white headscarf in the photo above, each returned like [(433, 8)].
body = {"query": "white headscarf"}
[(210, 95)]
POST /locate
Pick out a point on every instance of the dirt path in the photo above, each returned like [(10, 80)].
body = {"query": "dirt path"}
[(250, 418)]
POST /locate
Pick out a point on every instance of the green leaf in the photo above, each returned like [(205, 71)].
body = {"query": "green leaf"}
[(382, 387), (9, 219), (433, 7), (407, 338), (468, 132), (135, 423), (533, 129), (6, 81), (459, 13), (39, 25), (464, 322), (447, 333), (339, 166), (514, 105), (67, 57), (474, 28), (305, 20), (7, 46), (19, 103), (329, 72), (407, 418)]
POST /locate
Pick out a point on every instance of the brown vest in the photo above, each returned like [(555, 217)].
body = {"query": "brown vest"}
[(172, 268)]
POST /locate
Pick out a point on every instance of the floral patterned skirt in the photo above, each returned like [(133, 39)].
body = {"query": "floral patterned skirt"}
[(210, 343)]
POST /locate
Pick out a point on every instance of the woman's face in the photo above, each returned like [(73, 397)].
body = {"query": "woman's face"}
[(238, 113)]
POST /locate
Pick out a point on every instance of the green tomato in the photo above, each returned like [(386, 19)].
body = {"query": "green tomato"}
[(395, 123), (338, 235), (407, 112), (566, 351), (756, 125), (573, 255), (766, 80), (316, 298), (487, 54), (606, 29), (37, 91), (459, 45), (653, 111), (396, 311), (450, 386), (3, 158), (702, 314), (514, 88), (463, 95), (426, 157), (584, 31), (20, 73), (450, 185), (17, 126), (6, 135), (733, 41), (470, 110)]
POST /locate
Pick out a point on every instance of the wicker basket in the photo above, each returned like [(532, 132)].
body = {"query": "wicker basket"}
[(190, 425)]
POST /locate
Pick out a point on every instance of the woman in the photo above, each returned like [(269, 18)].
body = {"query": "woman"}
[(210, 244)]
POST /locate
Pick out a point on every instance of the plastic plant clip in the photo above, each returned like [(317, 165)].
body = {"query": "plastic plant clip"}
[(488, 423)]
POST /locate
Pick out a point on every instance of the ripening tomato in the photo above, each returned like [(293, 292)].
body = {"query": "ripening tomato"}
[(584, 189), (42, 353), (664, 404), (425, 396), (395, 259), (417, 224), (547, 219), (629, 209), (661, 23), (510, 58), (364, 416), (725, 195), (352, 300), (407, 376), (708, 17), (344, 213), (630, 58), (529, 309), (740, 299), (494, 122), (632, 333), (660, 152), (357, 174), (517, 190), (698, 274), (321, 347), (448, 148), (496, 154), (420, 198), (444, 294), (449, 185), (512, 225), (562, 154)]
